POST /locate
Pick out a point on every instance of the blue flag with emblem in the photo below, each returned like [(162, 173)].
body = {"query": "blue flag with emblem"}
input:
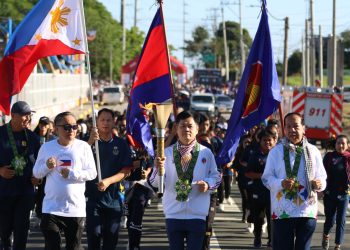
[(258, 94)]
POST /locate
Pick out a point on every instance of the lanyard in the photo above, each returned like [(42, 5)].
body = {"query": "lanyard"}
[(292, 173), (13, 143)]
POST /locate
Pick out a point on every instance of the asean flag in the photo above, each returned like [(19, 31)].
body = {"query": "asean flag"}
[(151, 84), (52, 27), (258, 94)]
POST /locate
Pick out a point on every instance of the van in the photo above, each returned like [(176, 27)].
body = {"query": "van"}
[(113, 94), (202, 103)]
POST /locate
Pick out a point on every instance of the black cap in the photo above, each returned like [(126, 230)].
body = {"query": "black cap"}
[(21, 108), (44, 120)]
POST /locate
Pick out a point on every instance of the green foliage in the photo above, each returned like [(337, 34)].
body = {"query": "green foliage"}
[(345, 35), (209, 49), (108, 39), (294, 63)]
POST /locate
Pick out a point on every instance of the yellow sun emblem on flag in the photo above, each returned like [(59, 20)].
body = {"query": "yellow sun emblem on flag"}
[(58, 17)]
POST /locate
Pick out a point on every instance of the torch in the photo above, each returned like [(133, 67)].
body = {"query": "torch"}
[(161, 113)]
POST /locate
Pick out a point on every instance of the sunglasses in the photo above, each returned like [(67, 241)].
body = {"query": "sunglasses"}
[(69, 127)]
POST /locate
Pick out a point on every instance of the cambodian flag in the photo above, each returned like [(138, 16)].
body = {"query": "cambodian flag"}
[(151, 83), (52, 27), (258, 95)]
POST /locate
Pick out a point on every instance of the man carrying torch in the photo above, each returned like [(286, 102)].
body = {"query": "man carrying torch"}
[(190, 174)]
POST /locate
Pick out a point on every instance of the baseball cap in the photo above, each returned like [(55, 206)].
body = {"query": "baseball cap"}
[(44, 120), (22, 108)]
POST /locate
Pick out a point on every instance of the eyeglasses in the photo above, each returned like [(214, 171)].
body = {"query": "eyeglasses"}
[(69, 127)]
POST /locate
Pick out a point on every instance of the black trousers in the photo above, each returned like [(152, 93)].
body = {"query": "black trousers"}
[(210, 221), (245, 202), (136, 209), (260, 209), (72, 227), (14, 218), (224, 190)]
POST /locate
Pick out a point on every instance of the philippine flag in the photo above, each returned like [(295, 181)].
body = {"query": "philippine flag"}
[(151, 83), (64, 163), (52, 27)]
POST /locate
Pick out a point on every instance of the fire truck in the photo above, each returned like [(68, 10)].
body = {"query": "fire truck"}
[(322, 111)]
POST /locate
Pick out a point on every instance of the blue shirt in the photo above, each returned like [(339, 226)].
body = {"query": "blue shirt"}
[(114, 155), (24, 140)]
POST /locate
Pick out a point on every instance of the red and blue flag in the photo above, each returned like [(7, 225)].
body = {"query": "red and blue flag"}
[(52, 27), (258, 94), (151, 83)]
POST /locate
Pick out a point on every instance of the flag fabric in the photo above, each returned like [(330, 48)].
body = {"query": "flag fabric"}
[(258, 94), (151, 83), (64, 163), (52, 27)]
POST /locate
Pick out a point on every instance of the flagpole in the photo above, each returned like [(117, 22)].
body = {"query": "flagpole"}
[(91, 95), (168, 58), (281, 118)]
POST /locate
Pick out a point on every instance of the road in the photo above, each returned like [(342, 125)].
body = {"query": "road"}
[(229, 231)]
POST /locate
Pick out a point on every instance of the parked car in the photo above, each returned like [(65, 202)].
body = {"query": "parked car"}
[(223, 103), (113, 94), (346, 93), (202, 103)]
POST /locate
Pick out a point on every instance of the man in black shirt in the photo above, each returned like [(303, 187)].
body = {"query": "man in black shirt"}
[(18, 149)]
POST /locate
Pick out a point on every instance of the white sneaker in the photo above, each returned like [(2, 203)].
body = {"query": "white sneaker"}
[(264, 227), (221, 208), (123, 222), (250, 228), (230, 201)]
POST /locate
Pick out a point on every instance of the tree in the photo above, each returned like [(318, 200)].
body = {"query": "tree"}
[(194, 48), (345, 36), (294, 62), (209, 49)]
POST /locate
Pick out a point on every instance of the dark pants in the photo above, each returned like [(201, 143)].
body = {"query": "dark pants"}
[(224, 190), (102, 224), (52, 226), (209, 221), (335, 211), (192, 230), (244, 196), (293, 233), (260, 210), (14, 218), (136, 210)]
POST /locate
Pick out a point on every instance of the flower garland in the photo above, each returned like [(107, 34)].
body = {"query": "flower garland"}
[(183, 184), (292, 193)]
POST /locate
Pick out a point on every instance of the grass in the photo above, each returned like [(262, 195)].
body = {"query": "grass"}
[(296, 80), (346, 118)]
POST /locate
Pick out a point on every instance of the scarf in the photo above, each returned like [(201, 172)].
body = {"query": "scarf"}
[(185, 153), (308, 168)]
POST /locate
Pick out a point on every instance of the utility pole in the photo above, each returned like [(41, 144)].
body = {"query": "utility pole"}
[(334, 82), (312, 45), (227, 68), (184, 30), (303, 61), (135, 14), (321, 56), (241, 42), (122, 22), (307, 54), (285, 52)]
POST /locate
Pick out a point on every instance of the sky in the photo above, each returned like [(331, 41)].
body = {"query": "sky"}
[(202, 12)]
